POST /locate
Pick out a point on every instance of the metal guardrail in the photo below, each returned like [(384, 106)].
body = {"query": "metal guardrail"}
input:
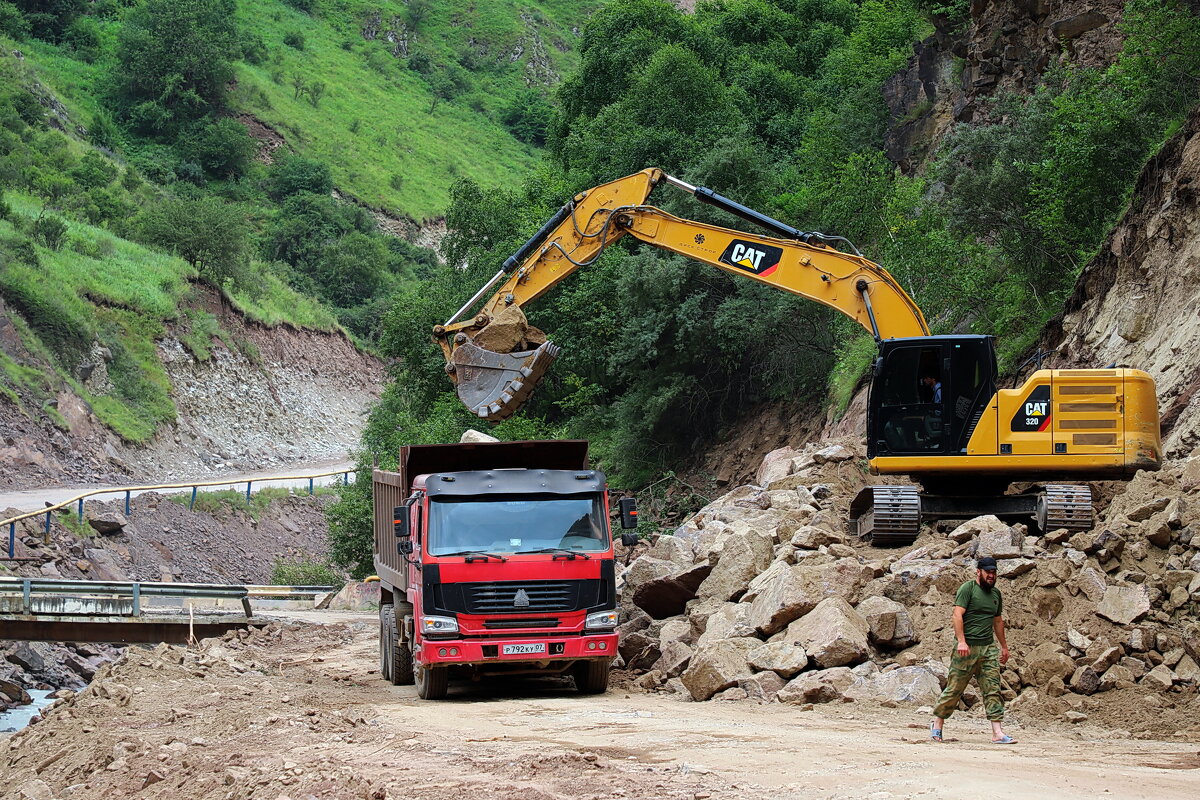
[(28, 587), (11, 522)]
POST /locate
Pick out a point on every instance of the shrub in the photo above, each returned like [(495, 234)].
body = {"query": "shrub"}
[(211, 235), (12, 23), (224, 149), (50, 231), (296, 174), (294, 40)]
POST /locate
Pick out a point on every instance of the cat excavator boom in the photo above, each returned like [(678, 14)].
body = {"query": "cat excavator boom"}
[(934, 411)]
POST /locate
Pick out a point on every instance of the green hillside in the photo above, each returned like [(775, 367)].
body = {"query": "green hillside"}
[(397, 131)]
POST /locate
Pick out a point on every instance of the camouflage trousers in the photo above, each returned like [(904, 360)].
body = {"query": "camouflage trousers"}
[(983, 662)]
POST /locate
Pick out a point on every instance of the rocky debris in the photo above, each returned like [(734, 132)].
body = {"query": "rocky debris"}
[(472, 436), (669, 595), (49, 666), (1098, 620), (162, 540)]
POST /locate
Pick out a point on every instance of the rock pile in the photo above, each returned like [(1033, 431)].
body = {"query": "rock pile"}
[(763, 595)]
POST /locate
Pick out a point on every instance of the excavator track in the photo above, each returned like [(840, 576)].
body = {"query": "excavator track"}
[(494, 385), (1065, 506), (887, 515)]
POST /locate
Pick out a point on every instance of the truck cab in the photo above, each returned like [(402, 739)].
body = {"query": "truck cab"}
[(495, 559)]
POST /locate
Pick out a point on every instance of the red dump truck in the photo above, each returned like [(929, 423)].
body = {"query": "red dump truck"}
[(495, 559)]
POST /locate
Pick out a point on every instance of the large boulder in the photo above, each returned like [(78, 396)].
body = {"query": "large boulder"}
[(912, 580), (675, 549), (717, 666), (833, 454), (669, 595), (775, 465), (979, 526), (1124, 604), (742, 557), (729, 621), (645, 568), (915, 684), (1002, 542), (109, 523), (797, 590), (822, 686), (1046, 662), (891, 626), (762, 686), (787, 659), (674, 659), (833, 634)]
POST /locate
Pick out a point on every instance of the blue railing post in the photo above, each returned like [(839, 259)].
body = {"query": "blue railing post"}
[(248, 491), (12, 540), (126, 503), (310, 486), (47, 523), (345, 479), (192, 503), (81, 511)]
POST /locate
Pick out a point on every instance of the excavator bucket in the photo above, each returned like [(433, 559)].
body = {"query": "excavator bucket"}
[(494, 385)]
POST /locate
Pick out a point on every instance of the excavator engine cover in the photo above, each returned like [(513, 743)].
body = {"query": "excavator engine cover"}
[(494, 385)]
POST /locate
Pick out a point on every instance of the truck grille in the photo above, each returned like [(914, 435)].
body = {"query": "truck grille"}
[(498, 598)]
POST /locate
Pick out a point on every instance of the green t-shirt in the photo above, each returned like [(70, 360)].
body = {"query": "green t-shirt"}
[(982, 607)]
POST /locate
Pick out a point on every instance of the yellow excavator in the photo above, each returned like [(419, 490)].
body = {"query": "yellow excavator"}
[(934, 413)]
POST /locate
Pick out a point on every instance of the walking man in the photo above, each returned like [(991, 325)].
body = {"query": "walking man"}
[(978, 625)]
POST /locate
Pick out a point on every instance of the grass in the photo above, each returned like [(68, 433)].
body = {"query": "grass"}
[(305, 572), (401, 156), (235, 499), (854, 359), (276, 303)]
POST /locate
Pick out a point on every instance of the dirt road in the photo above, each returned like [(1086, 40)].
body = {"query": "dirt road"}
[(299, 713)]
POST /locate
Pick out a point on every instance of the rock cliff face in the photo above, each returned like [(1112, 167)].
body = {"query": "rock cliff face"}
[(1137, 303), (1006, 47)]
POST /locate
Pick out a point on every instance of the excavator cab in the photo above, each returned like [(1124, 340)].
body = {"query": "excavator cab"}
[(928, 394)]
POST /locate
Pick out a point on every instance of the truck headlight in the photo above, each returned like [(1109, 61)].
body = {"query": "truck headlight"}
[(601, 620), (439, 626)]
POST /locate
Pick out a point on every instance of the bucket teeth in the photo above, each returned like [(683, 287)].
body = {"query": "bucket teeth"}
[(494, 385)]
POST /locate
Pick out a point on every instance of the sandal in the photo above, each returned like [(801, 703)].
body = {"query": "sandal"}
[(1006, 739), (935, 734)]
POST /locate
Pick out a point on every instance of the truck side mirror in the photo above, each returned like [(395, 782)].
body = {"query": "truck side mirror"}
[(629, 539), (400, 521), (405, 547), (628, 506)]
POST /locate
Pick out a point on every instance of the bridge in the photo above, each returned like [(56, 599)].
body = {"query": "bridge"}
[(136, 612)]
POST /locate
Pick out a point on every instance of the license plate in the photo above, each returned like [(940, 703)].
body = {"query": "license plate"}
[(523, 649)]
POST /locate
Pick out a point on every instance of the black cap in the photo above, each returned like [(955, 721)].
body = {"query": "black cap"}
[(987, 563)]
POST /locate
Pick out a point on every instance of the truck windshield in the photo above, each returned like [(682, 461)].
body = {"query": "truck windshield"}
[(517, 525)]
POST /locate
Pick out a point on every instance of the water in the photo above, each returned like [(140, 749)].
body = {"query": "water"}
[(17, 718)]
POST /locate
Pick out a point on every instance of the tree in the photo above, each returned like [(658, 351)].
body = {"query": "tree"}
[(208, 233), (223, 148), (49, 19), (295, 174), (353, 269), (174, 59)]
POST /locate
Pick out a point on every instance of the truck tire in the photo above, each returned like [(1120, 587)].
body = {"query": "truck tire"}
[(591, 677), (401, 655), (386, 626), (432, 682)]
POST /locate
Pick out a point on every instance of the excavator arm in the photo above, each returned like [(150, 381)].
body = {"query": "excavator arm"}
[(496, 357)]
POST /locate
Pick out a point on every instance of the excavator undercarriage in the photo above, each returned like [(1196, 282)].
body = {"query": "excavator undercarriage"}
[(893, 515)]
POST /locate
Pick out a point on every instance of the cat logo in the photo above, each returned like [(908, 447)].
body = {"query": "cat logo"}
[(521, 600), (1034, 413), (758, 259)]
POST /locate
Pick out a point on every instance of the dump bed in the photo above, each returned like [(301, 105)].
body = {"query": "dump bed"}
[(391, 489)]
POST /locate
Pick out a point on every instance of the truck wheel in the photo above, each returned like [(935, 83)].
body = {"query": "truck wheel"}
[(432, 682), (591, 677), (386, 626), (401, 655)]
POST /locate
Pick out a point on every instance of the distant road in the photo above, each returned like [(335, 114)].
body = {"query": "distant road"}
[(33, 499)]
